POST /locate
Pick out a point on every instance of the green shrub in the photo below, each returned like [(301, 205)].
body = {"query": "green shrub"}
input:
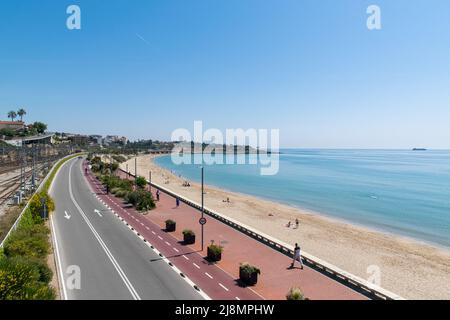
[(119, 158), (19, 280), (188, 232), (115, 190), (140, 199), (170, 222), (27, 219), (29, 242), (45, 273), (132, 198), (249, 269), (145, 201), (113, 167), (295, 294), (36, 206), (115, 182), (121, 193), (141, 182), (215, 249)]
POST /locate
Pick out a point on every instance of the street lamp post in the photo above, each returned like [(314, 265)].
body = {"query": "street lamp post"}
[(150, 181), (135, 170), (203, 209), (203, 199)]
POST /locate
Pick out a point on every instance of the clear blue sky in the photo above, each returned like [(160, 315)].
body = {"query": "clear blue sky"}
[(143, 68)]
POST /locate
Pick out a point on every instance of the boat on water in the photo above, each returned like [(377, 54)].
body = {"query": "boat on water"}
[(419, 149)]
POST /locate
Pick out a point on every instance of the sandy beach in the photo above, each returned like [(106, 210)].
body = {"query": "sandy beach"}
[(408, 268)]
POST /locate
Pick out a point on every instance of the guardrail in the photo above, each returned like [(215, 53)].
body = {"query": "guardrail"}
[(348, 279), (41, 185)]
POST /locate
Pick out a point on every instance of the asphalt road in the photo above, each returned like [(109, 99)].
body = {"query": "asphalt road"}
[(98, 257)]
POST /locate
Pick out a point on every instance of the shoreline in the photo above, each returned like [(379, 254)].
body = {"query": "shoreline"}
[(409, 267), (318, 214)]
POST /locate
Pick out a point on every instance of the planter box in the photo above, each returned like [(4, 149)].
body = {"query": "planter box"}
[(249, 279), (213, 256), (171, 227), (189, 239)]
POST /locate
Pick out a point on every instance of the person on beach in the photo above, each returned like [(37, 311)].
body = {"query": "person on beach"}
[(177, 201), (288, 224), (296, 223), (297, 256), (157, 195)]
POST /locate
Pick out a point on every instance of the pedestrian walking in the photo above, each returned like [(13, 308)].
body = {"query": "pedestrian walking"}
[(297, 256), (296, 223), (177, 202), (157, 195)]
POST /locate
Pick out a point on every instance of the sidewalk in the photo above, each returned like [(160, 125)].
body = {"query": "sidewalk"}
[(219, 280)]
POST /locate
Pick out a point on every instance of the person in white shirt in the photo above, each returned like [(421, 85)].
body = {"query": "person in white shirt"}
[(297, 256)]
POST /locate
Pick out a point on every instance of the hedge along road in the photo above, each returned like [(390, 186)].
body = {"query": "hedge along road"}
[(98, 257)]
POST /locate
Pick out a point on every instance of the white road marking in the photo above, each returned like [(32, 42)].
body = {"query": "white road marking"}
[(225, 288), (98, 212), (196, 265), (176, 249), (167, 243), (58, 258), (186, 257), (209, 275), (66, 215), (160, 237)]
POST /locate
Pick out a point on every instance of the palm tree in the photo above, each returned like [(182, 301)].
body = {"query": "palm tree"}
[(21, 113), (12, 115)]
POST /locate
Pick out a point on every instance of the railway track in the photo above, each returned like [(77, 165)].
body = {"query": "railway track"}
[(10, 186)]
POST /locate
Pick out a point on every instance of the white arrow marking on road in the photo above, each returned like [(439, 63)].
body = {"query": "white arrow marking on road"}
[(66, 215), (98, 212)]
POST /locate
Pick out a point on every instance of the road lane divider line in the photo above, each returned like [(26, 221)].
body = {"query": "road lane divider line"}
[(189, 281), (114, 262), (225, 288), (208, 275), (58, 259)]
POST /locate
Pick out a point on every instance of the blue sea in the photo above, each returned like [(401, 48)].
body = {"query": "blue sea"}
[(398, 191)]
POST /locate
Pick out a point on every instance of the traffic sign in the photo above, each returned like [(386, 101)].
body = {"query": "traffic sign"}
[(202, 221)]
